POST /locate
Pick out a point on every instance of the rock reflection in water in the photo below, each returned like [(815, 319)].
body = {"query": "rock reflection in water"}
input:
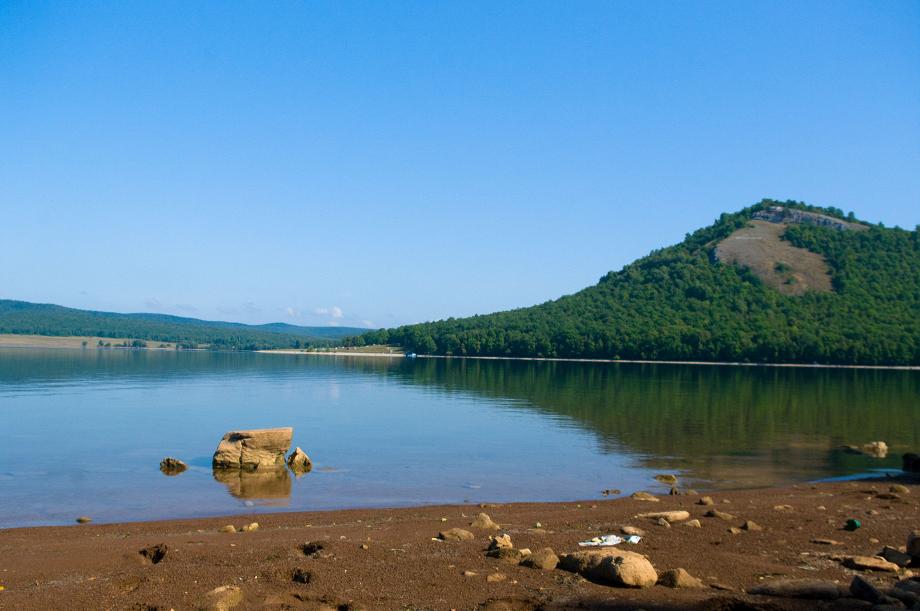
[(273, 485)]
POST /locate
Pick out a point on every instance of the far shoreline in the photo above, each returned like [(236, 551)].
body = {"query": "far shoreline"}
[(575, 360)]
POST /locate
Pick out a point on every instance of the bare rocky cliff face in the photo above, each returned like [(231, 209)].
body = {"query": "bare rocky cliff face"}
[(780, 214)]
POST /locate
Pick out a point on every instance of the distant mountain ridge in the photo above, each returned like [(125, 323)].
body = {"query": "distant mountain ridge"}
[(23, 317), (775, 282)]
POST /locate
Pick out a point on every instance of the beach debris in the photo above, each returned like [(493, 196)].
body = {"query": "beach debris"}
[(706, 500), (484, 522), (154, 554), (250, 527), (500, 542), (669, 516), (722, 515), (610, 491), (455, 534), (608, 540), (223, 598), (666, 478), (229, 528), (913, 544), (544, 559), (614, 566), (172, 466), (254, 449), (644, 496), (84, 520), (869, 563), (692, 523), (679, 578), (299, 462), (632, 530), (852, 524), (799, 588)]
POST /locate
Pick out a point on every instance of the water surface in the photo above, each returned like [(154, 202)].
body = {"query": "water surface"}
[(82, 431)]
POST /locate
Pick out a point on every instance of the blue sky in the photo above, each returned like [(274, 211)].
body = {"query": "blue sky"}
[(381, 163)]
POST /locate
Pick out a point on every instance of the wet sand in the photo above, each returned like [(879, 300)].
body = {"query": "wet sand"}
[(100, 566)]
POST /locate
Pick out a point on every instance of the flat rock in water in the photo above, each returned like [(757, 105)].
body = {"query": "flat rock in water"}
[(172, 466), (870, 563), (666, 478), (644, 496), (455, 534), (614, 566), (223, 598), (671, 516), (544, 559), (799, 588), (253, 449), (484, 522), (84, 520), (679, 578)]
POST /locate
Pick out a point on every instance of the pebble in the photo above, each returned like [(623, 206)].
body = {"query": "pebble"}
[(250, 527), (751, 525), (735, 530), (692, 523), (899, 489), (706, 500), (783, 507), (229, 528), (722, 515), (644, 496), (826, 542), (632, 530), (495, 577), (469, 574)]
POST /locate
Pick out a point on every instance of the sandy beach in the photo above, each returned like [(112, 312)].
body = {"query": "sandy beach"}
[(392, 558)]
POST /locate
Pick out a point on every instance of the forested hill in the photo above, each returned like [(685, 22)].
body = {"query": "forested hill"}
[(775, 282), (22, 317)]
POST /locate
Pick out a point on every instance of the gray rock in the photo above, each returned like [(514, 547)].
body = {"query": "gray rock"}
[(896, 556), (863, 590), (913, 544)]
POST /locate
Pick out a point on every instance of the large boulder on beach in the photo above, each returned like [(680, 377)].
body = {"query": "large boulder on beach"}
[(254, 449), (613, 566)]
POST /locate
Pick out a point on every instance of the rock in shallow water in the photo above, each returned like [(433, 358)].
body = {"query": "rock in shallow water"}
[(253, 449), (299, 462), (172, 466)]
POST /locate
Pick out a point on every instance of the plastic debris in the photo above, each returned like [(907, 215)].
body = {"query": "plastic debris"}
[(608, 540), (852, 524)]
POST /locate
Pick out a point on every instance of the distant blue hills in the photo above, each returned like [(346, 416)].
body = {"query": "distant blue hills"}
[(26, 318)]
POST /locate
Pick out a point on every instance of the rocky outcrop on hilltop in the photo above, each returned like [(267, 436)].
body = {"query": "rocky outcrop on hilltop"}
[(781, 214)]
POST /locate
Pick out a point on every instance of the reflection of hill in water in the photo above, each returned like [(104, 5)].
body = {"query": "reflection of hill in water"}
[(731, 424)]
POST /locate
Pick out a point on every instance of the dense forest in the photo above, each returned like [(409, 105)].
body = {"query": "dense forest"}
[(22, 317), (680, 303)]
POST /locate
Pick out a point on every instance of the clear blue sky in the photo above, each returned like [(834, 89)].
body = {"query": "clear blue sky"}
[(392, 162)]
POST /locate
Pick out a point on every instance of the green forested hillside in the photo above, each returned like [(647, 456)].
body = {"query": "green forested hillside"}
[(22, 317), (680, 303)]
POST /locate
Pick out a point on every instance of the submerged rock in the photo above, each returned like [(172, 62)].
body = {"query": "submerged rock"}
[(172, 466), (253, 449), (299, 462)]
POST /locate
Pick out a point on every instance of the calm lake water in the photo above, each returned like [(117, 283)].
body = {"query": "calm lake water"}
[(82, 432)]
